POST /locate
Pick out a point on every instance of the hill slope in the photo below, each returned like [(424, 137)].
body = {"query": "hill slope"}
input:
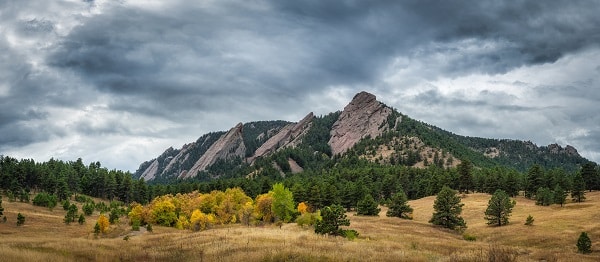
[(551, 238)]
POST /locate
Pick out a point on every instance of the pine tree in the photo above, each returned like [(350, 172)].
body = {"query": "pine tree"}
[(560, 196), (97, 228), (529, 221), (399, 206), (499, 208), (367, 206), (20, 219), (332, 218), (465, 178), (578, 189), (544, 197), (590, 176), (534, 180), (511, 183), (71, 214), (447, 209), (584, 243)]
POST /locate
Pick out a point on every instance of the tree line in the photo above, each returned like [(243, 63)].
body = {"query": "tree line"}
[(346, 183)]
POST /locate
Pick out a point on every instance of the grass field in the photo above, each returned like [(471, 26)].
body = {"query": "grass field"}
[(44, 237)]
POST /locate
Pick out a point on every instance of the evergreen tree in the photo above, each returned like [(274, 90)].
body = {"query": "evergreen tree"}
[(578, 189), (560, 195), (88, 208), (529, 220), (367, 206), (97, 228), (499, 209), (71, 214), (447, 209), (1, 208), (584, 243), (465, 176), (544, 197), (590, 176), (534, 180), (332, 218), (511, 183), (399, 206), (113, 217), (20, 219)]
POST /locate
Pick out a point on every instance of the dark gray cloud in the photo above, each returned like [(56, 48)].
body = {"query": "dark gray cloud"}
[(148, 75)]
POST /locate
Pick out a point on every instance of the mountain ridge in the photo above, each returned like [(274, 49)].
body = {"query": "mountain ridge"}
[(366, 128)]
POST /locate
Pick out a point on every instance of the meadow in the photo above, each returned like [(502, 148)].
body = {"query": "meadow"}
[(552, 237)]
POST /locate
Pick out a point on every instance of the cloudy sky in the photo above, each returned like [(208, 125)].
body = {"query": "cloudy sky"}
[(120, 81)]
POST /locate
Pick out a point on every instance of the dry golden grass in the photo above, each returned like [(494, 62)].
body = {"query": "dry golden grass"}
[(44, 237)]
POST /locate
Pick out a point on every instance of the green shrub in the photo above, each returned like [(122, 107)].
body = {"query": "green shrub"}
[(469, 237)]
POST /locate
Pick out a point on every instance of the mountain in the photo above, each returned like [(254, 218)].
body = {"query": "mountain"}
[(366, 128)]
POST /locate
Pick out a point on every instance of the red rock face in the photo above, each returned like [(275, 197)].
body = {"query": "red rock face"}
[(364, 116)]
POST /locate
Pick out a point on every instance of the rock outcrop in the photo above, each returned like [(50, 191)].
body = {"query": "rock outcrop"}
[(151, 171), (289, 135), (229, 145), (364, 116), (557, 149)]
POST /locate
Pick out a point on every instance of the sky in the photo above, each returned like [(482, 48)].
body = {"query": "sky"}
[(120, 81)]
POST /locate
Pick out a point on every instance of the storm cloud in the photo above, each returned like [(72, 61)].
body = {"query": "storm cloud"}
[(120, 81)]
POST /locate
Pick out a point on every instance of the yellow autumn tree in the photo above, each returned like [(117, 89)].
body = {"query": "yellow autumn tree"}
[(262, 209), (103, 223), (302, 208), (246, 213), (200, 221), (163, 212), (137, 214), (182, 222)]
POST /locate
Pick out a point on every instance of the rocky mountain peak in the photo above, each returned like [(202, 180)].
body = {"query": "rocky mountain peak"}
[(363, 116), (229, 145)]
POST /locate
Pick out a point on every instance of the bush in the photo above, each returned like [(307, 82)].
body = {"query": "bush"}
[(45, 200), (114, 216), (308, 219), (469, 237), (135, 225), (88, 208), (66, 204), (149, 227), (83, 199), (350, 234)]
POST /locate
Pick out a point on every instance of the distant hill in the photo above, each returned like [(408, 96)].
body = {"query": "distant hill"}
[(366, 128)]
